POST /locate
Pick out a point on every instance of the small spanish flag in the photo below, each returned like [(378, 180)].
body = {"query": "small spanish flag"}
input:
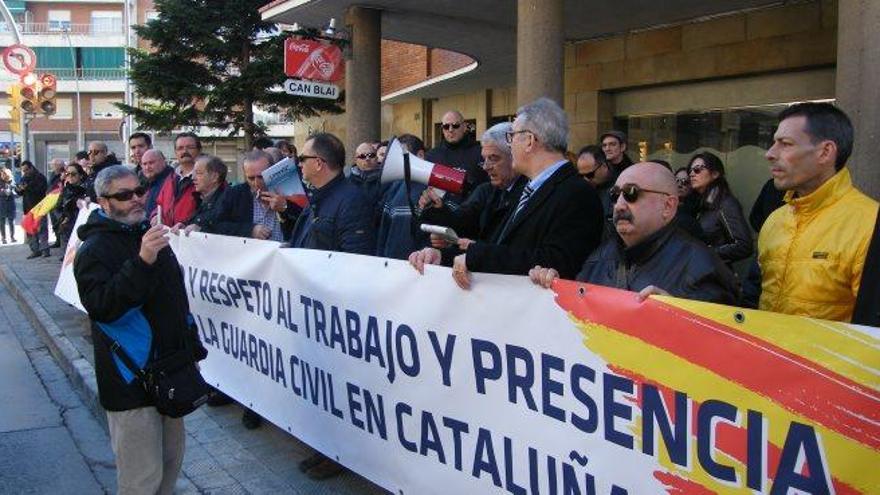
[(31, 220)]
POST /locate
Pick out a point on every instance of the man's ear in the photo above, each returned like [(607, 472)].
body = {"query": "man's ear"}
[(828, 152)]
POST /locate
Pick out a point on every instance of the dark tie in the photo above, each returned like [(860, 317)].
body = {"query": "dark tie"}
[(523, 199)]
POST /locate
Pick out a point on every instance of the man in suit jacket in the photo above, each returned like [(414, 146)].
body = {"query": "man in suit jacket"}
[(557, 221)]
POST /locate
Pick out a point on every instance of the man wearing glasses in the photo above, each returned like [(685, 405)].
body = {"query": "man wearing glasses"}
[(649, 254), (459, 149), (99, 159), (593, 167), (132, 288), (339, 217), (367, 171), (557, 220)]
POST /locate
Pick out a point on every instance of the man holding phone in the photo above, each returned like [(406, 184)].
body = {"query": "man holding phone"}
[(250, 210)]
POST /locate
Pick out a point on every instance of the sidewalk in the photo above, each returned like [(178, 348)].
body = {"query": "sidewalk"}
[(221, 455)]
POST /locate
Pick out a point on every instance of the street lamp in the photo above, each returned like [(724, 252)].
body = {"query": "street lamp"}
[(65, 28)]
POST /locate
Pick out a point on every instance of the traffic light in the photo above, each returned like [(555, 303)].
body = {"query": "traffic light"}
[(48, 91), (28, 93)]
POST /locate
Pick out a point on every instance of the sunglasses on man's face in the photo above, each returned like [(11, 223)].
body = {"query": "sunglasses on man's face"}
[(592, 173), (631, 193), (682, 181), (127, 194), (454, 125), (366, 156)]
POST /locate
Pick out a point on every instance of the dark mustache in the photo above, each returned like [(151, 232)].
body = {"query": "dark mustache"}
[(622, 215)]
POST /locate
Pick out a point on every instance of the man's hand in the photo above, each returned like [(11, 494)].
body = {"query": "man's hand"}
[(429, 199), (464, 243), (177, 228), (191, 228), (275, 201), (460, 272), (153, 241), (261, 232), (543, 276), (426, 256), (650, 291)]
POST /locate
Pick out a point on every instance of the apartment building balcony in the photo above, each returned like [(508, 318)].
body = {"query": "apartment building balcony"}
[(56, 34), (96, 80)]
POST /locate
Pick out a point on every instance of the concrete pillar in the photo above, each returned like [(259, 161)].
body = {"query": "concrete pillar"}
[(363, 112), (858, 93), (540, 37)]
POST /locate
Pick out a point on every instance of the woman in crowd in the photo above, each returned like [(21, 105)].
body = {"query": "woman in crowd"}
[(719, 213), (7, 204), (74, 190)]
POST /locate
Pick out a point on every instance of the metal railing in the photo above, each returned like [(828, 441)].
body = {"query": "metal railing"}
[(110, 28), (86, 74)]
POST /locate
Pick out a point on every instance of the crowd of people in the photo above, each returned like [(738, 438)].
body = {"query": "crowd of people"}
[(528, 207)]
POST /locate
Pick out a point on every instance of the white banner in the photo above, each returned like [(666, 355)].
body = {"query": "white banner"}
[(65, 287), (425, 388), (362, 358)]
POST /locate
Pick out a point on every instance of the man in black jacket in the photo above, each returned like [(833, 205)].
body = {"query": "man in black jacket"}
[(32, 188), (99, 159), (132, 288), (482, 215), (557, 221), (650, 254), (458, 149)]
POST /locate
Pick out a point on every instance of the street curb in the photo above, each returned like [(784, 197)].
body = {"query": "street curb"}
[(75, 365)]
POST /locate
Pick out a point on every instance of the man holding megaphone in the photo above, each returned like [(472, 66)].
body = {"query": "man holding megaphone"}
[(558, 217)]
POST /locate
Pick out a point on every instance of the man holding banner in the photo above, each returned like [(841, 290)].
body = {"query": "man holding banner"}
[(649, 254), (131, 285)]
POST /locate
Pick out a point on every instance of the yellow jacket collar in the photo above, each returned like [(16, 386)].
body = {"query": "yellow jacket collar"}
[(828, 193)]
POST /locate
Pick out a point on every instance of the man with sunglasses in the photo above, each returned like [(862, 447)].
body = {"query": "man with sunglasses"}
[(131, 285), (650, 254), (99, 159), (367, 171), (557, 220), (459, 149), (594, 168)]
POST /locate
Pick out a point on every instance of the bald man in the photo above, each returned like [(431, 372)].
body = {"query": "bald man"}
[(650, 255), (459, 149)]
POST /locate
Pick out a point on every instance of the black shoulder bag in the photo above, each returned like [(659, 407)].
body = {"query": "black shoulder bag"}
[(174, 382)]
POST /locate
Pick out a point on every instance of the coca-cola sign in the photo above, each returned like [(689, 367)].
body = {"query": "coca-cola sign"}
[(312, 60)]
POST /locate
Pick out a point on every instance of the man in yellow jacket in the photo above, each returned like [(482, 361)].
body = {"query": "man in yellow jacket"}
[(812, 250)]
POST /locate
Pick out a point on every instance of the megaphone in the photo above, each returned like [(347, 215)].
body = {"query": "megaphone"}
[(422, 171)]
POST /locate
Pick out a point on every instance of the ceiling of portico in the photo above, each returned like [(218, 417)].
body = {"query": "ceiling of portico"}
[(485, 30)]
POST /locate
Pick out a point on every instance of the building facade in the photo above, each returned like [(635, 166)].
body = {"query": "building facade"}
[(677, 78)]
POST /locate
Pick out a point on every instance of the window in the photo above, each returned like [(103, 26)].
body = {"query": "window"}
[(151, 15), (103, 108), (63, 109), (106, 22), (5, 108), (57, 149), (59, 20)]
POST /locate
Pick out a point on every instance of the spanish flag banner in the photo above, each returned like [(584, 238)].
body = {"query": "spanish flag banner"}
[(30, 222)]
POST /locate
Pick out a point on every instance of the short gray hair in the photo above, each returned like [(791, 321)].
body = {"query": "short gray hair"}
[(547, 120), (497, 135), (256, 155), (110, 174)]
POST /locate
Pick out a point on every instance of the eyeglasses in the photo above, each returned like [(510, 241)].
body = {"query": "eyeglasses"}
[(592, 173), (631, 192), (127, 194), (510, 134), (366, 156), (696, 169), (454, 125), (302, 158), (682, 181)]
